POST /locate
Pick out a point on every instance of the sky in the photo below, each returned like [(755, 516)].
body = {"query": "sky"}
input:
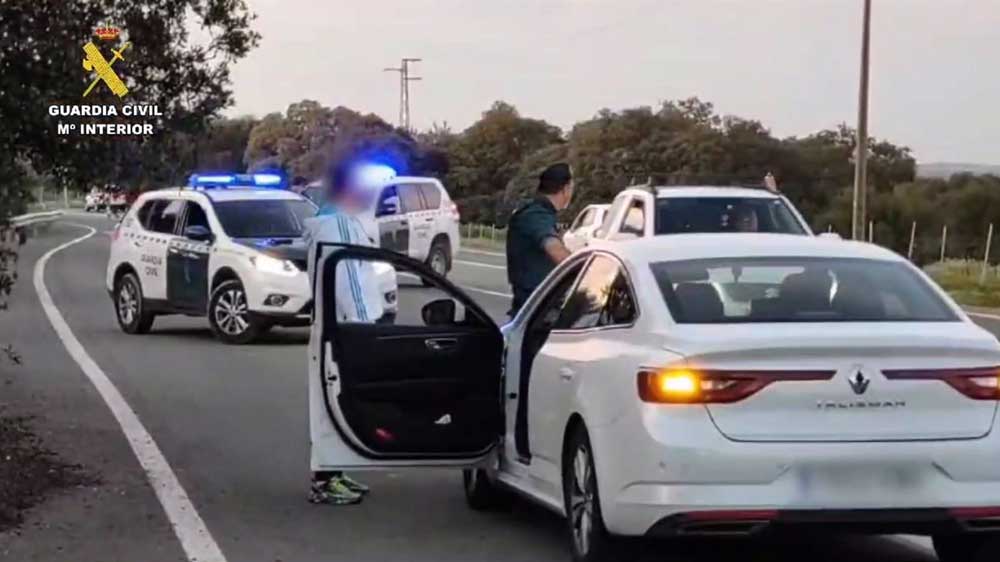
[(792, 64)]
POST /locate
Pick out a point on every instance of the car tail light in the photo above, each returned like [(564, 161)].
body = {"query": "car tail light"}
[(454, 211), (980, 383), (687, 386), (974, 512)]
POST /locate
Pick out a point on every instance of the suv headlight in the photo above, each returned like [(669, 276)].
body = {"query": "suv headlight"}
[(267, 264)]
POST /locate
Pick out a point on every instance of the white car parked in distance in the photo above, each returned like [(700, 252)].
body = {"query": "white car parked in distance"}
[(719, 385), (582, 229), (642, 211)]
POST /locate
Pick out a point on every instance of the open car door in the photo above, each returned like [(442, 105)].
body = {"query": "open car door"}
[(422, 388)]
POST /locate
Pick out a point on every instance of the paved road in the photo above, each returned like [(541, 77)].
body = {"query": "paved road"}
[(232, 423)]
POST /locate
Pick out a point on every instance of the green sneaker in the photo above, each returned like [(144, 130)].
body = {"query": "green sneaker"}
[(353, 485), (333, 492)]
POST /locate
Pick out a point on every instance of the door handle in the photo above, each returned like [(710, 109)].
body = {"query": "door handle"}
[(173, 251), (441, 344), (566, 374), (429, 220), (404, 223)]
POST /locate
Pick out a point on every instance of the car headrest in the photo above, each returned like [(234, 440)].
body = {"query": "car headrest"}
[(699, 302)]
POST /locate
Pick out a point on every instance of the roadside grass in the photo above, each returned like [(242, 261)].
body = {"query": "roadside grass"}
[(29, 471), (961, 279)]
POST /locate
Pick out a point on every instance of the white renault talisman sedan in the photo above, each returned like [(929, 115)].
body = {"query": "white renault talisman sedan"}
[(721, 384)]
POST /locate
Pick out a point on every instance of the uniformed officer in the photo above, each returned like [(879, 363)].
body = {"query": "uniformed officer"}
[(534, 247), (357, 300)]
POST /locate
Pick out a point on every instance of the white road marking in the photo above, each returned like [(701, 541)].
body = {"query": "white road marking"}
[(195, 539), (466, 287), (481, 264), (483, 252), (983, 315)]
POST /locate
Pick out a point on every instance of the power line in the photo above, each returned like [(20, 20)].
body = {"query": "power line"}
[(404, 89)]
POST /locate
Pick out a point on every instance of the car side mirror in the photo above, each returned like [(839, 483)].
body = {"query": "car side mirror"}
[(198, 233), (439, 313), (387, 206)]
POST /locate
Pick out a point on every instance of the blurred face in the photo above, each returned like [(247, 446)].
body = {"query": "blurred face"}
[(564, 197)]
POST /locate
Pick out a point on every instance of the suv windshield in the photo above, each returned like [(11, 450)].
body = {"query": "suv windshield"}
[(269, 218), (682, 215), (732, 290)]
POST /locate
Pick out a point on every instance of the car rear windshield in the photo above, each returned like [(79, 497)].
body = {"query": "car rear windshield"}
[(269, 218), (736, 290), (681, 215)]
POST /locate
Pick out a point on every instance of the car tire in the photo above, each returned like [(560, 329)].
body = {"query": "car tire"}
[(481, 492), (230, 316), (439, 258), (130, 307), (980, 547), (589, 540)]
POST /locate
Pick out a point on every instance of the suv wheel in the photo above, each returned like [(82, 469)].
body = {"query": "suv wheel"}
[(481, 493), (589, 539), (439, 258), (229, 314), (130, 309)]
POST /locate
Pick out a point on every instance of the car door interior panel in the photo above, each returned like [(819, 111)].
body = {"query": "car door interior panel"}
[(416, 390)]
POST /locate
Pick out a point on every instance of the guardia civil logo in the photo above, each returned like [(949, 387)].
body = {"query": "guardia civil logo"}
[(102, 68)]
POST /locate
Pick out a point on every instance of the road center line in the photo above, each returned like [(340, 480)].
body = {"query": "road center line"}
[(195, 539), (480, 264)]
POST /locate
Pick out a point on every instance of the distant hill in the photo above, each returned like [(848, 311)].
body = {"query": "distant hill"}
[(946, 169)]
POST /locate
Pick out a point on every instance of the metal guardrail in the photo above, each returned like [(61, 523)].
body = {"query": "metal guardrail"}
[(34, 218)]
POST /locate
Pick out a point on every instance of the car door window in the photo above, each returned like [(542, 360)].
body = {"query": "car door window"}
[(164, 216), (635, 219), (388, 202), (589, 306), (432, 195), (196, 216), (145, 213), (409, 195)]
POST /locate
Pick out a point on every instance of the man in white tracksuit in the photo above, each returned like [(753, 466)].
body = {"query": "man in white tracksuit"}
[(357, 300)]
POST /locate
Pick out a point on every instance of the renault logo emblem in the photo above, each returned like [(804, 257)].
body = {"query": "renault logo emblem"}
[(859, 384)]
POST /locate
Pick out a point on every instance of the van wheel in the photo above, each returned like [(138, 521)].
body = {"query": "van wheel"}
[(590, 541), (481, 493), (439, 258), (967, 548), (130, 308), (229, 314)]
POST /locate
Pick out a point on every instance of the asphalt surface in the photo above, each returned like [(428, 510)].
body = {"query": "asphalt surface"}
[(232, 423)]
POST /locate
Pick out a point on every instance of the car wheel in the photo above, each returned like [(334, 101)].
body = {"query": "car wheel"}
[(229, 314), (439, 258), (130, 308), (481, 493), (589, 539), (967, 548)]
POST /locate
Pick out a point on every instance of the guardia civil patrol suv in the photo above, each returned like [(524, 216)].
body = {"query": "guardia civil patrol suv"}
[(229, 247)]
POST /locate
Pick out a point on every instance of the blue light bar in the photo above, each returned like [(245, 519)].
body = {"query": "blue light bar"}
[(262, 180)]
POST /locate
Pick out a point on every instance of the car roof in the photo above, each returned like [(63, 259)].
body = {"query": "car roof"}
[(676, 247), (665, 192), (233, 193)]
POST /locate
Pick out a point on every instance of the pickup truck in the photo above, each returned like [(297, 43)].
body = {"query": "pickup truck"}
[(655, 211)]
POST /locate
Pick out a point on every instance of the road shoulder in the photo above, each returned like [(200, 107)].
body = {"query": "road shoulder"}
[(118, 519)]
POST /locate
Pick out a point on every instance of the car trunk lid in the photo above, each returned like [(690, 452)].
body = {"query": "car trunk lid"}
[(858, 402)]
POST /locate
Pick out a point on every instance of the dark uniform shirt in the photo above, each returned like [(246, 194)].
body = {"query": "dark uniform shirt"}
[(531, 225)]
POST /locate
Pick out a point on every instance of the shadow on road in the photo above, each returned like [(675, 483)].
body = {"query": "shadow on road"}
[(275, 337), (777, 548)]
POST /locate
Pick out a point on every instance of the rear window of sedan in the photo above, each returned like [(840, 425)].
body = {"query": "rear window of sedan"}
[(685, 215), (806, 289)]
